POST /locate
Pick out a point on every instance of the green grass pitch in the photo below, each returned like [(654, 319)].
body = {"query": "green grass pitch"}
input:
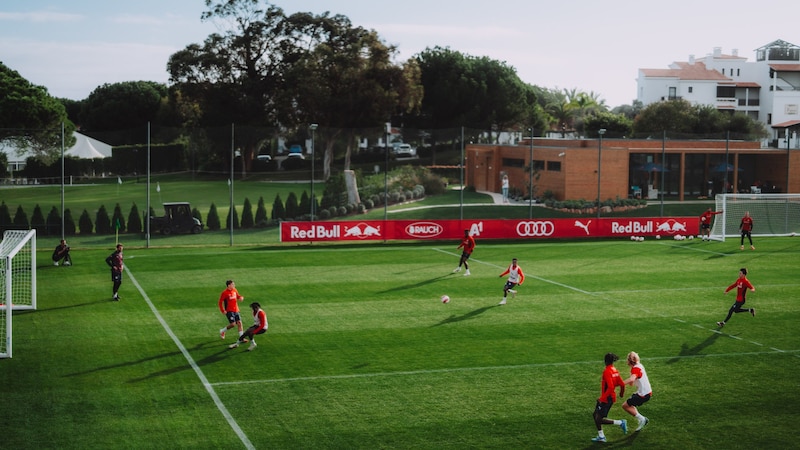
[(361, 354)]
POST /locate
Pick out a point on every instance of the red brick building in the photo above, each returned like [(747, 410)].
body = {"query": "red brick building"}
[(690, 169)]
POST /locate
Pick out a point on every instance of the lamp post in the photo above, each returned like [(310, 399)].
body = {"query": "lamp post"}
[(313, 127), (600, 132), (530, 176)]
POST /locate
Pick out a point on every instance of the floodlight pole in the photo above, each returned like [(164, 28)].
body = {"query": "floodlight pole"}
[(600, 132), (313, 127), (530, 176)]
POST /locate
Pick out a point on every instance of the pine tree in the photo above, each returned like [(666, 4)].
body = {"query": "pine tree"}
[(247, 214)]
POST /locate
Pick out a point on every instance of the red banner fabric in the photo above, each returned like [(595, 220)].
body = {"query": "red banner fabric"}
[(488, 229)]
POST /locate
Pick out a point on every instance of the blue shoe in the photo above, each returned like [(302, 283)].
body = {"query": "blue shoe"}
[(598, 439), (624, 426)]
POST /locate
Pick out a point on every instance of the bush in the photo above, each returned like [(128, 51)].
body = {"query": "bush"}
[(85, 223), (21, 219), (247, 214), (37, 220), (278, 211), (213, 218), (102, 223), (117, 221), (235, 216), (261, 212), (134, 220), (5, 218), (69, 223), (324, 214), (341, 211), (53, 223)]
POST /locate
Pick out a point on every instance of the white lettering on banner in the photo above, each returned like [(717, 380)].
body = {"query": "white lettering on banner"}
[(533, 229), (424, 229), (632, 227), (475, 229), (315, 232)]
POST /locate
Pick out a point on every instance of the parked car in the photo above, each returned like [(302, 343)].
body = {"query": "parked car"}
[(177, 219), (264, 158), (296, 151), (405, 150)]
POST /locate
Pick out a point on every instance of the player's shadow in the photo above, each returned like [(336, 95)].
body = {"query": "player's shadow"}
[(467, 316), (415, 285), (687, 351)]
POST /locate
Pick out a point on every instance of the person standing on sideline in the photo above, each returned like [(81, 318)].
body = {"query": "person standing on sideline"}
[(705, 223), (746, 227), (259, 326), (229, 305), (505, 188), (114, 261), (62, 252), (643, 392), (515, 277), (468, 244), (742, 284), (608, 395)]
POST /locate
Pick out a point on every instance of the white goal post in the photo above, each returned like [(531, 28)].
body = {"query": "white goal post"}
[(18, 273), (773, 214)]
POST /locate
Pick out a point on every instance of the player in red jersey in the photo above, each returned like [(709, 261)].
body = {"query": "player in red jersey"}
[(608, 395), (259, 326), (468, 244), (746, 227), (228, 305), (705, 223), (742, 284)]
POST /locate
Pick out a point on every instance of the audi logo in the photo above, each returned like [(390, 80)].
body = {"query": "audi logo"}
[(532, 229)]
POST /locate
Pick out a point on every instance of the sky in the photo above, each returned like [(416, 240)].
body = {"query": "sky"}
[(71, 48)]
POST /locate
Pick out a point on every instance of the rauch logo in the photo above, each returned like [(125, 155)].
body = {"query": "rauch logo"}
[(424, 229)]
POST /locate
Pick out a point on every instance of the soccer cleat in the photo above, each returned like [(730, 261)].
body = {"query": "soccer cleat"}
[(234, 345), (503, 302), (457, 269), (252, 347), (599, 439), (243, 339), (741, 247), (222, 334), (513, 293), (624, 426), (55, 263), (753, 312), (643, 424), (752, 248), (720, 324), (115, 298), (466, 274), (67, 263)]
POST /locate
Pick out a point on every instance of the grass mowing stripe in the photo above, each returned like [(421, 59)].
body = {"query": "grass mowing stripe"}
[(684, 247), (209, 388), (483, 368)]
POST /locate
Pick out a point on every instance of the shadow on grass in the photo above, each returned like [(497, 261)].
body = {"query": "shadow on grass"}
[(420, 284), (467, 316), (207, 360), (694, 351)]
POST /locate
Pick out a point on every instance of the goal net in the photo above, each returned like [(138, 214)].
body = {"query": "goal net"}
[(773, 214), (18, 276)]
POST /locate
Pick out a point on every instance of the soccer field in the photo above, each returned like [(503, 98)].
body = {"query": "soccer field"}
[(360, 352)]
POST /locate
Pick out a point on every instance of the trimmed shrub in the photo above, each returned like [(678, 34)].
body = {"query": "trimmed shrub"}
[(213, 218), (85, 223)]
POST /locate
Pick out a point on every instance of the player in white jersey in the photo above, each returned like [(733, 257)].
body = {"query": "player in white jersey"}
[(643, 392), (515, 277)]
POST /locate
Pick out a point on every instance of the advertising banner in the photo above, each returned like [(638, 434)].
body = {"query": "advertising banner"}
[(391, 230)]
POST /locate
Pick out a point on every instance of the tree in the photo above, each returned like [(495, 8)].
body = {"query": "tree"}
[(21, 219), (31, 118), (5, 218), (122, 106), (261, 213), (85, 223), (213, 218), (278, 211), (134, 220), (53, 226), (69, 223), (247, 214), (102, 222), (38, 222), (672, 115)]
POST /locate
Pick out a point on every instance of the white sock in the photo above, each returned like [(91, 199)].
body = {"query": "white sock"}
[(601, 434), (640, 417), (241, 333), (222, 330), (618, 422)]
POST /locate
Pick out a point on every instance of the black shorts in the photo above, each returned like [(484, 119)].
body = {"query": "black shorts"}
[(510, 284), (602, 408), (233, 317), (638, 400), (705, 226), (116, 276), (465, 255)]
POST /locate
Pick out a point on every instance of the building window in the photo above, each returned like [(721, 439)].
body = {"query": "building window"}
[(723, 71), (513, 162), (690, 89), (554, 166), (673, 93), (738, 71), (538, 164)]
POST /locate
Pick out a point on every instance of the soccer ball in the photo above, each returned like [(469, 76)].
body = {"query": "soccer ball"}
[(691, 237), (658, 236), (445, 299)]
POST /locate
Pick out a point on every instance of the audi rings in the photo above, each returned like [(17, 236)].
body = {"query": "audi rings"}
[(535, 229)]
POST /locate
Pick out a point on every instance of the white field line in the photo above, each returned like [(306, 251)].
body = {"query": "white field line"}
[(209, 387), (482, 368)]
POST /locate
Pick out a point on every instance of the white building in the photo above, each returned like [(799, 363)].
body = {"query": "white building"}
[(767, 89)]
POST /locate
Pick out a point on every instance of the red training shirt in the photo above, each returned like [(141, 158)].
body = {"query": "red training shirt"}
[(608, 386), (228, 301), (741, 285)]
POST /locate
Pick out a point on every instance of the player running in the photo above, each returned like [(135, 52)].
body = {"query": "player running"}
[(228, 305), (259, 326), (742, 284), (515, 277), (643, 392), (608, 395), (468, 244)]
